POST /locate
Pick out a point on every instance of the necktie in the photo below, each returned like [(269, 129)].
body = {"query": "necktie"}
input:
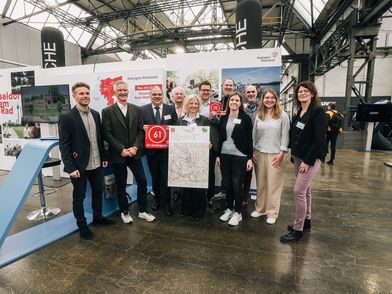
[(157, 115)]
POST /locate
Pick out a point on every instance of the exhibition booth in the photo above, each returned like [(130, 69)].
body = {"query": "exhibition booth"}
[(32, 98)]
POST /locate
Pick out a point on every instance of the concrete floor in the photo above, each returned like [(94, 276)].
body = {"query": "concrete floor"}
[(347, 251)]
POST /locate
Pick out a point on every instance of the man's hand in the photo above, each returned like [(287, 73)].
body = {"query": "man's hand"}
[(125, 153), (75, 174), (105, 163), (132, 151)]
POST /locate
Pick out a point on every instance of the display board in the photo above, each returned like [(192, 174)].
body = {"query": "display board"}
[(259, 67)]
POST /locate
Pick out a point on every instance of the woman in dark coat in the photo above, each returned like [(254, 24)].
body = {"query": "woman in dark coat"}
[(307, 143)]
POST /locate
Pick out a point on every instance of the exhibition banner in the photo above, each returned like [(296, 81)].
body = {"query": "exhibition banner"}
[(258, 67)]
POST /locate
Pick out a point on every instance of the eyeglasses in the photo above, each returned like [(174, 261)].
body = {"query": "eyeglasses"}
[(250, 91)]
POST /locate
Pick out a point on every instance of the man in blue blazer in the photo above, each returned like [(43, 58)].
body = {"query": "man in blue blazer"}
[(158, 113), (83, 155)]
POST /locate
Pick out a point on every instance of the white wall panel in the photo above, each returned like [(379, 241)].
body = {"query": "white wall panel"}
[(22, 44)]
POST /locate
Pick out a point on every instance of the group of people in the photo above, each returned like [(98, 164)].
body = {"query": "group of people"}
[(242, 137)]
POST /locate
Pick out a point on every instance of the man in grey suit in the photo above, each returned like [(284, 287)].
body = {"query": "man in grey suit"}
[(83, 155), (123, 130), (158, 113)]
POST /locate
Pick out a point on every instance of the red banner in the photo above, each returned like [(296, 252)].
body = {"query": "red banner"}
[(157, 136)]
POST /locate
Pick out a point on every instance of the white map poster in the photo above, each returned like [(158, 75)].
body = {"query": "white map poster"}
[(188, 156)]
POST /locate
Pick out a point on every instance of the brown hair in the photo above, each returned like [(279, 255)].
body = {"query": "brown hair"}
[(312, 89), (276, 110), (228, 100), (79, 85)]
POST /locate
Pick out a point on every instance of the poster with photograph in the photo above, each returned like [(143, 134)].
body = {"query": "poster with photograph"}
[(12, 147), (17, 131), (261, 77), (101, 85), (11, 82), (190, 78), (21, 79)]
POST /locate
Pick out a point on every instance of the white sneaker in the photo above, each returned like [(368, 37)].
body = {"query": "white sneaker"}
[(220, 195), (126, 218), (235, 219), (148, 217), (270, 221), (256, 214), (227, 215)]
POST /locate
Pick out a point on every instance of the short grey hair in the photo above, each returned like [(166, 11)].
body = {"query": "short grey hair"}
[(120, 82)]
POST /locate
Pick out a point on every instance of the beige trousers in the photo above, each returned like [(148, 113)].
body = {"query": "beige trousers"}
[(269, 185)]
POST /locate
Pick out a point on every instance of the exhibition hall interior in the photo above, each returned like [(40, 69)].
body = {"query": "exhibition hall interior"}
[(220, 146)]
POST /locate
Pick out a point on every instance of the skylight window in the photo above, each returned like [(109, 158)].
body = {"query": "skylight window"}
[(304, 9)]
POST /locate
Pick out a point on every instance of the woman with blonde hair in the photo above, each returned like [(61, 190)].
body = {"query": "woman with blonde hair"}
[(194, 200), (270, 143)]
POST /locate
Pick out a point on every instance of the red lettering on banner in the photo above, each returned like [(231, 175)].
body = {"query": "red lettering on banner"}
[(147, 87), (9, 96)]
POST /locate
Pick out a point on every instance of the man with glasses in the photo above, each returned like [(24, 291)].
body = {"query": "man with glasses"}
[(205, 93), (251, 108), (158, 113)]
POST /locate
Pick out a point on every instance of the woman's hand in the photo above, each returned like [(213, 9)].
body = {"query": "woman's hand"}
[(303, 168), (249, 165), (277, 160), (217, 161), (209, 145)]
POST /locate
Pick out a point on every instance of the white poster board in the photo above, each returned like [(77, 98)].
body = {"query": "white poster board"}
[(188, 156)]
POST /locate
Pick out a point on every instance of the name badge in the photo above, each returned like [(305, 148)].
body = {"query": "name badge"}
[(300, 125), (166, 117), (237, 121)]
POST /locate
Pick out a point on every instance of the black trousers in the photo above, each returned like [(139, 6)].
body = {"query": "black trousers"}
[(158, 165), (194, 202), (211, 174), (233, 170), (247, 183), (332, 137), (120, 174), (96, 180)]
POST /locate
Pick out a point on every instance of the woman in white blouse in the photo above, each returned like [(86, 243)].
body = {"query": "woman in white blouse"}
[(270, 141)]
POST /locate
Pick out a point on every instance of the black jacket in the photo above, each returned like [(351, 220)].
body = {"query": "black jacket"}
[(200, 121), (74, 141), (242, 134), (122, 132), (309, 143), (169, 117)]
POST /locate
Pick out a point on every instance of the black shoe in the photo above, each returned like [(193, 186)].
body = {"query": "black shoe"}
[(307, 225), (292, 236), (330, 162), (168, 210), (85, 233), (103, 221), (210, 204), (156, 206), (196, 218)]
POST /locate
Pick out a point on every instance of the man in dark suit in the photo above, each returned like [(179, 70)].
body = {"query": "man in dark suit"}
[(83, 156), (204, 93), (123, 130), (158, 113)]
